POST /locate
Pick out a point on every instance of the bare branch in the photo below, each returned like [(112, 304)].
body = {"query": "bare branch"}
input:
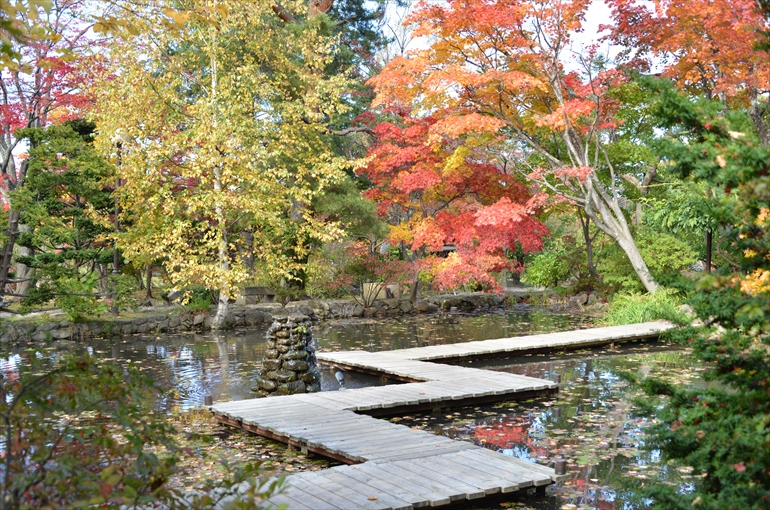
[(282, 13)]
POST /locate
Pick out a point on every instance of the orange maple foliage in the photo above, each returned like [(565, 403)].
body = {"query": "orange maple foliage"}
[(495, 77), (706, 46), (434, 191)]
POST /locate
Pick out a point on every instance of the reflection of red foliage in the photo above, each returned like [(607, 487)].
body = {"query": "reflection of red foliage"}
[(506, 434), (589, 497), (603, 504)]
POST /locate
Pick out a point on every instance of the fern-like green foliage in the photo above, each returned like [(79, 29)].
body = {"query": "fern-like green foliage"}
[(665, 304), (722, 430)]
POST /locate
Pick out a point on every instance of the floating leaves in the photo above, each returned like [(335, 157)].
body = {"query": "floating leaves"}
[(591, 423)]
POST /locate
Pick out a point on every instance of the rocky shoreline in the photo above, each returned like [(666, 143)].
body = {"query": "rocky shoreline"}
[(176, 319)]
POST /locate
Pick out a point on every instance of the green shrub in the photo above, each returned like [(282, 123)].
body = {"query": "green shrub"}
[(664, 254), (200, 299), (198, 304), (547, 267), (637, 308), (123, 287), (77, 299)]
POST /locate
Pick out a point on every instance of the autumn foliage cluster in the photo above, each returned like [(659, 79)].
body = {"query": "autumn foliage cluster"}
[(436, 190)]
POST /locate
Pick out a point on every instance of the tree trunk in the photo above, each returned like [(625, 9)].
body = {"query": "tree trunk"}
[(223, 305), (6, 256), (628, 245), (220, 317), (415, 288), (22, 271), (608, 217), (760, 115), (585, 222), (148, 285)]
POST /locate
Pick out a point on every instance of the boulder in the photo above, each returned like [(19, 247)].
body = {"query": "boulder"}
[(271, 365), (296, 365), (291, 388)]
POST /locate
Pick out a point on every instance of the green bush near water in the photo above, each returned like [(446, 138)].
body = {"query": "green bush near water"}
[(637, 308), (664, 254), (547, 267)]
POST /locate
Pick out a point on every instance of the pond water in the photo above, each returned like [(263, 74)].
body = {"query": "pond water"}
[(190, 366), (590, 422)]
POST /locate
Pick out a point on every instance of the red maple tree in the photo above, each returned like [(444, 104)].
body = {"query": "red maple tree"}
[(709, 47), (439, 189), (503, 72)]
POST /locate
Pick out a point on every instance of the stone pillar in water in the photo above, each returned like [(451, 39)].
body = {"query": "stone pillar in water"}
[(289, 364)]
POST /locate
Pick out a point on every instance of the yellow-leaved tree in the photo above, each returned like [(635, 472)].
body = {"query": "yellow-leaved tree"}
[(216, 114)]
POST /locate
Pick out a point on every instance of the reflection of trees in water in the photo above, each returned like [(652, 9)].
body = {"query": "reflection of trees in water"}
[(184, 367), (424, 330)]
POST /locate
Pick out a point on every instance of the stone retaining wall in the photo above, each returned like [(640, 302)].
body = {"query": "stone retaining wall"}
[(241, 317)]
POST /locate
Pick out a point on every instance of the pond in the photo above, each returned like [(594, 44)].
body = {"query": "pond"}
[(190, 366), (590, 423)]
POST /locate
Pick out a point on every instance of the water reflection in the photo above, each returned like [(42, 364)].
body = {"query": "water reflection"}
[(190, 366), (591, 423), (420, 331)]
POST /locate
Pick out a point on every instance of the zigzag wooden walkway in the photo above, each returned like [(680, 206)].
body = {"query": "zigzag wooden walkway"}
[(395, 466)]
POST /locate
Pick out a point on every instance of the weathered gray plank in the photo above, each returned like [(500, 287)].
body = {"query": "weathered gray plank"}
[(403, 489), (532, 467), (347, 498), (319, 498), (291, 503), (453, 487), (387, 498), (395, 470)]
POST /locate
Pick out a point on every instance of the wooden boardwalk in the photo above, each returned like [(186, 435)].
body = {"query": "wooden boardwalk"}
[(393, 466), (505, 347)]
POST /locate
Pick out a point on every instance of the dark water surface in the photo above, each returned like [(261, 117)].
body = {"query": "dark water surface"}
[(190, 366), (590, 422)]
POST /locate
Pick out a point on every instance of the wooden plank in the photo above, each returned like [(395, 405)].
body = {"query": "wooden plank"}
[(398, 472), (393, 501), (543, 471), (413, 449), (452, 487), (347, 498), (317, 497), (383, 444), (404, 488), (452, 471), (510, 473), (364, 436), (354, 447), (285, 498), (463, 463), (402, 484), (346, 429), (395, 456), (501, 464)]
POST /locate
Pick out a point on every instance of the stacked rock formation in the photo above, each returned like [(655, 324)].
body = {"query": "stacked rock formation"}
[(289, 364)]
